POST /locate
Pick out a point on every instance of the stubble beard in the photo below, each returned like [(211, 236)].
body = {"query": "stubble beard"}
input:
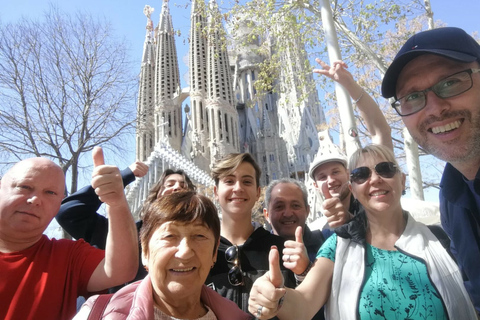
[(451, 151)]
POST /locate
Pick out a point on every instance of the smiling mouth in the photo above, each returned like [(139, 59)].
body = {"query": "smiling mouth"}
[(446, 128), (288, 222), (183, 270), (238, 200), (378, 193)]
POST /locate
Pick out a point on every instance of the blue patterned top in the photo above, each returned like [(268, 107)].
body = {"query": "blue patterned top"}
[(396, 286)]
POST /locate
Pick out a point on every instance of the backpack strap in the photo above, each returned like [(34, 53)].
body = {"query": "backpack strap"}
[(99, 306)]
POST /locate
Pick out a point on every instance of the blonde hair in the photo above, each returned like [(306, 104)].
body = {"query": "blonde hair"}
[(374, 151)]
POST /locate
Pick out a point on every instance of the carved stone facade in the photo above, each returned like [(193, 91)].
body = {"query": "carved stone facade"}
[(226, 114)]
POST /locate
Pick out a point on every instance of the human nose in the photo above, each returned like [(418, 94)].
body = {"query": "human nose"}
[(237, 186), (434, 105), (374, 177), (330, 179), (177, 186), (184, 249), (34, 199), (288, 211)]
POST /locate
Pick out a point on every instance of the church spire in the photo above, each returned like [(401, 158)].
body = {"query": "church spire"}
[(145, 105), (168, 115)]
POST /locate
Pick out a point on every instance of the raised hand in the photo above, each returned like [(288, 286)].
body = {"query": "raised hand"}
[(268, 289), (295, 255), (336, 72), (139, 169), (107, 180), (333, 209)]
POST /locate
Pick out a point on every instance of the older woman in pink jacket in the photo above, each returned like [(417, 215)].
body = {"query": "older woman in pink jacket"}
[(180, 237)]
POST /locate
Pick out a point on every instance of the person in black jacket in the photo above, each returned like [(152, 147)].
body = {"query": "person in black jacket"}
[(79, 217), (286, 209), (243, 250)]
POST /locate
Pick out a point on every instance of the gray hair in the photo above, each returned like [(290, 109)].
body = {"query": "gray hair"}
[(274, 183)]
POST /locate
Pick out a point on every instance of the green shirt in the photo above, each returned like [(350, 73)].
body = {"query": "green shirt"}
[(396, 286)]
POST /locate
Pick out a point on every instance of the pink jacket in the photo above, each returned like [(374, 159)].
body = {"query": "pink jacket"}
[(135, 301)]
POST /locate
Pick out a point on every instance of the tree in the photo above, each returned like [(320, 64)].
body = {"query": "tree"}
[(66, 86), (369, 33)]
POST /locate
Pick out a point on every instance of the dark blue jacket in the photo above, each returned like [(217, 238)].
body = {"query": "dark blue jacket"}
[(460, 218), (78, 216)]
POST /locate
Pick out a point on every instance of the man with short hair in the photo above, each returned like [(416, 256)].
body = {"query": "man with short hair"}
[(435, 82), (41, 278), (287, 209)]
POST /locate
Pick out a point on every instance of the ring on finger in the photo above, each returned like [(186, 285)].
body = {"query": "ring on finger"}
[(259, 311)]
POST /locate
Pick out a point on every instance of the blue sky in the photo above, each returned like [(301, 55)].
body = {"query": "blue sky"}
[(128, 21)]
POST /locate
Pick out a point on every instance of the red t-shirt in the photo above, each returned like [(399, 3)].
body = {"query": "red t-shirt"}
[(44, 281)]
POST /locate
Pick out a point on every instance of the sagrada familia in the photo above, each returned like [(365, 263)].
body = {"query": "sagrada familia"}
[(280, 128), (226, 113)]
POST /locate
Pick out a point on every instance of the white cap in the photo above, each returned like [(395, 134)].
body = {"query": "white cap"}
[(328, 152)]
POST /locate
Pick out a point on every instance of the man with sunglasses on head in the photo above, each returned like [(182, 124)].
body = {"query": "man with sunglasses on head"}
[(435, 82)]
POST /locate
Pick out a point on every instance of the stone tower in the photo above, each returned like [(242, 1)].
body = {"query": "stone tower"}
[(145, 110)]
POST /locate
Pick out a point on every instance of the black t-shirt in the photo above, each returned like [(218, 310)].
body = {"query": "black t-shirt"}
[(253, 255)]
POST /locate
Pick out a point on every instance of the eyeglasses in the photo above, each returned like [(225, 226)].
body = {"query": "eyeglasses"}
[(450, 86), (384, 169), (235, 274)]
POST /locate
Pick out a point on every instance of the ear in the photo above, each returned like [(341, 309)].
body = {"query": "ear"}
[(351, 189), (215, 192), (259, 191), (266, 215)]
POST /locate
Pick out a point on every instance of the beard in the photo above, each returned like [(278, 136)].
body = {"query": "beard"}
[(451, 151)]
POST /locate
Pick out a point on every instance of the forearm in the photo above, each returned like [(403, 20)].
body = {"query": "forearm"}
[(121, 251), (294, 307), (78, 213), (375, 121)]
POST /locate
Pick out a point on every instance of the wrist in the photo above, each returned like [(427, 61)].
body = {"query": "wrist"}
[(304, 273), (300, 277)]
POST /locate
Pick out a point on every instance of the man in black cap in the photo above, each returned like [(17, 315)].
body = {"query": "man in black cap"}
[(435, 81)]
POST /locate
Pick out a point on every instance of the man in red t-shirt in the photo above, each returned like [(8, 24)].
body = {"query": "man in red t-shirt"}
[(41, 278)]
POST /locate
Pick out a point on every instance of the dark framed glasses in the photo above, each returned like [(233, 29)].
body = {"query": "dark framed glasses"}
[(235, 274), (448, 87), (383, 169)]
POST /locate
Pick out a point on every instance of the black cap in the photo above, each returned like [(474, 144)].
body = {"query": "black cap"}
[(450, 42)]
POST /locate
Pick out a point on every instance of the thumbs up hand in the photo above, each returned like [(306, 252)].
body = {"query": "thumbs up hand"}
[(268, 289), (107, 180), (333, 209), (295, 255)]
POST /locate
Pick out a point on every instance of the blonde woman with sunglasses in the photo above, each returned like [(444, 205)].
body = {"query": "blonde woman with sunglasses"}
[(381, 265)]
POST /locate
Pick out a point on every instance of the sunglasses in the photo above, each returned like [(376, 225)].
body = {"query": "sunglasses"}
[(383, 169), (235, 274)]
